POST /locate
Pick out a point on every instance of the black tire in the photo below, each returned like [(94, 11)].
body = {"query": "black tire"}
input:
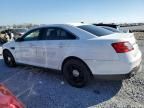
[(9, 59), (76, 73)]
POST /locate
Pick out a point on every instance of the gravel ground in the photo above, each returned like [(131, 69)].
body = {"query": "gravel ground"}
[(43, 88)]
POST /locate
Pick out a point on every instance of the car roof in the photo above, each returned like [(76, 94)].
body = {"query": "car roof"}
[(72, 28), (62, 25), (78, 24)]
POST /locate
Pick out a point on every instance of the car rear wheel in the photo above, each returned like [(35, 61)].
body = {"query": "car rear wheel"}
[(9, 59), (76, 73)]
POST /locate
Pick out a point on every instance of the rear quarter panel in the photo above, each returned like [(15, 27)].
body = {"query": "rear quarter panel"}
[(100, 50)]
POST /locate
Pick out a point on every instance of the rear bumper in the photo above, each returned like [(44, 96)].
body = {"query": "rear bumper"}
[(120, 76), (114, 70)]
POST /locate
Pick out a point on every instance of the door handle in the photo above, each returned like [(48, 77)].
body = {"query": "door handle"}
[(31, 44), (61, 45), (12, 48)]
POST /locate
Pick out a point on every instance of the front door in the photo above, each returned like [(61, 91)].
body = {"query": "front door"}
[(26, 49)]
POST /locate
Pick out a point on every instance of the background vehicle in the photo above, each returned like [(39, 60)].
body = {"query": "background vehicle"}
[(115, 26), (5, 36), (8, 34), (111, 29), (80, 51), (18, 32), (108, 25)]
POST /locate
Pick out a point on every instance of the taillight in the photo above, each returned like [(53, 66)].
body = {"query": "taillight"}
[(122, 47)]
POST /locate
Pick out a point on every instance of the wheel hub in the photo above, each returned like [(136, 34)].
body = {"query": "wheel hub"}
[(9, 59), (75, 73)]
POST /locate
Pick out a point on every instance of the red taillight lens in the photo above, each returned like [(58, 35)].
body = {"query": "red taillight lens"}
[(122, 47)]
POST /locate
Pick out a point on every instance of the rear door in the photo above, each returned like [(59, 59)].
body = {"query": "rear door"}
[(55, 41)]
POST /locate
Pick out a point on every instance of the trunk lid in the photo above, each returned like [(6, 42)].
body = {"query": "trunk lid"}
[(122, 37)]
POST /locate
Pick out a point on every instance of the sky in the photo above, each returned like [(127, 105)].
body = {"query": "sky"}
[(70, 11)]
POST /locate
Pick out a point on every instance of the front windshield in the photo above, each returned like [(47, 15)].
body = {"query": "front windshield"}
[(98, 31)]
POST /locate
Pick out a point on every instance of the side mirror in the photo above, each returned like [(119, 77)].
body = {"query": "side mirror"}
[(19, 40)]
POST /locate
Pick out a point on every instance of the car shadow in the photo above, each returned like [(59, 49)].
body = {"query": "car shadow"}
[(43, 88), (56, 92)]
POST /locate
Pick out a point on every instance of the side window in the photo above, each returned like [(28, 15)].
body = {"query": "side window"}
[(51, 34), (34, 35), (64, 35), (58, 34)]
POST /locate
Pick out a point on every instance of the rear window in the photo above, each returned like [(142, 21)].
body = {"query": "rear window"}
[(111, 29), (98, 31)]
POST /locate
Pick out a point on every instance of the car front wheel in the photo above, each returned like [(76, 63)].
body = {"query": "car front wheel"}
[(9, 59), (76, 73)]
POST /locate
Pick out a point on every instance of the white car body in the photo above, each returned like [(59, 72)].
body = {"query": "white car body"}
[(96, 52)]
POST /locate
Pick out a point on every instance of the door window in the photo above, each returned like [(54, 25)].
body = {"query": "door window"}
[(33, 35), (57, 34)]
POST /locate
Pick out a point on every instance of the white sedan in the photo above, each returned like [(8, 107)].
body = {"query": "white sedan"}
[(79, 51)]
